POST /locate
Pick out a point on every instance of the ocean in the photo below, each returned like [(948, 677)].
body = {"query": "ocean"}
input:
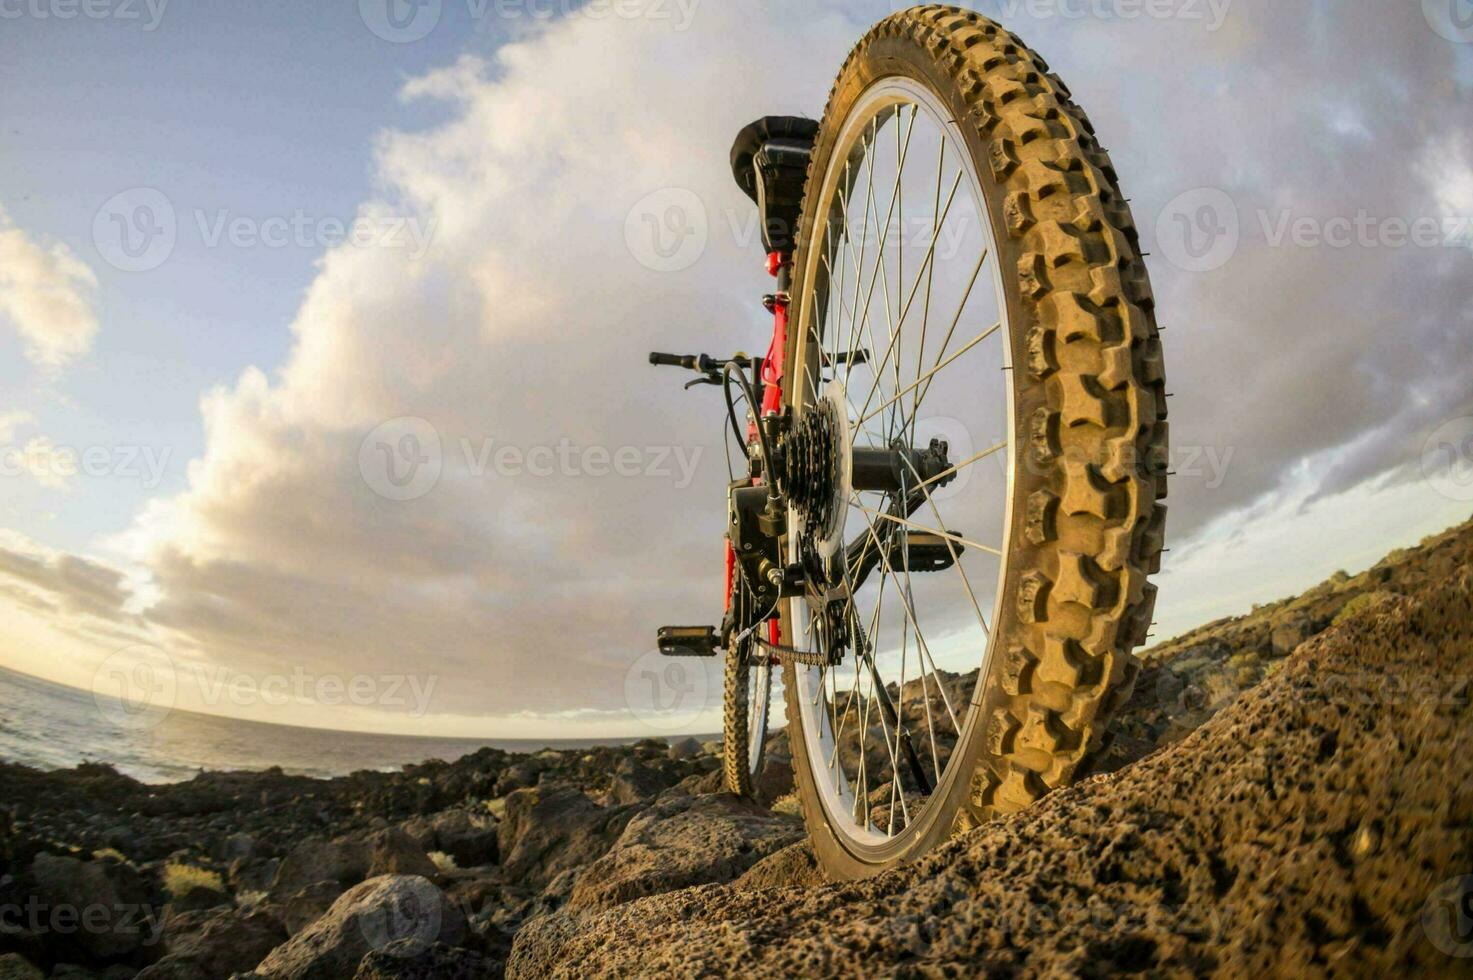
[(51, 726)]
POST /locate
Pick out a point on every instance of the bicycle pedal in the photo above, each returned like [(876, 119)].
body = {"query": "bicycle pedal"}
[(923, 551), (688, 641)]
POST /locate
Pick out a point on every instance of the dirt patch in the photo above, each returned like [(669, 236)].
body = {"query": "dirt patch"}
[(1305, 828)]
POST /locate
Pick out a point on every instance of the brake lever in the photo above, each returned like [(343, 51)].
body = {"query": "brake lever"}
[(708, 380)]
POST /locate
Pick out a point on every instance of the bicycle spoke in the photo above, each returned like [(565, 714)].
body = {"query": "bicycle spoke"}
[(920, 637), (921, 527), (932, 373)]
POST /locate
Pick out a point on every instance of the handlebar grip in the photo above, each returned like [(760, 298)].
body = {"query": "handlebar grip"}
[(672, 360)]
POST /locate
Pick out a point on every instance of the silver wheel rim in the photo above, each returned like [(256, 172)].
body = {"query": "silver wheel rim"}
[(897, 106), (759, 689)]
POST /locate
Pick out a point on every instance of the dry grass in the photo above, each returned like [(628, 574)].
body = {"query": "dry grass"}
[(788, 804), (180, 878)]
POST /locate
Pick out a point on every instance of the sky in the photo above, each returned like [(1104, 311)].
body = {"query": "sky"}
[(253, 257)]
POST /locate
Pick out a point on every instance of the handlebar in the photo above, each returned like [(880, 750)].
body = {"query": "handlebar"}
[(703, 363), (687, 361)]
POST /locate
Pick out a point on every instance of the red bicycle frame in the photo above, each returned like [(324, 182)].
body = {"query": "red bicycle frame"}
[(779, 265)]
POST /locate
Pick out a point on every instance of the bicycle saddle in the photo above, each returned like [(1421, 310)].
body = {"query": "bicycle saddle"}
[(770, 163)]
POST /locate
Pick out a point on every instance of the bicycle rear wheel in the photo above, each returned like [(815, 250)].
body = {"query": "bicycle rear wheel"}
[(968, 283), (748, 695)]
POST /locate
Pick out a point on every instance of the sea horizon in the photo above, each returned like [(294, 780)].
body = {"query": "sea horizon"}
[(49, 725)]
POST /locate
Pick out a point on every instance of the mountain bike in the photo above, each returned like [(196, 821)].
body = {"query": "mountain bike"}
[(955, 446)]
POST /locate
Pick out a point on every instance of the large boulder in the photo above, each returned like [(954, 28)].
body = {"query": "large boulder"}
[(1305, 829), (306, 905), (411, 960), (684, 748), (368, 917), (214, 944), (1289, 634), (635, 782), (520, 776), (698, 784), (14, 966), (106, 898), (396, 853), (252, 874), (683, 841), (345, 861), (792, 867), (470, 838), (552, 828), (774, 781)]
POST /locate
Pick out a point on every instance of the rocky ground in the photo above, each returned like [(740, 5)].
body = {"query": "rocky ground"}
[(1288, 793)]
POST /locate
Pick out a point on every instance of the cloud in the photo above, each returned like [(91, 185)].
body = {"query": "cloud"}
[(523, 328), (56, 580), (13, 422), (46, 295), (41, 459), (1347, 356)]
